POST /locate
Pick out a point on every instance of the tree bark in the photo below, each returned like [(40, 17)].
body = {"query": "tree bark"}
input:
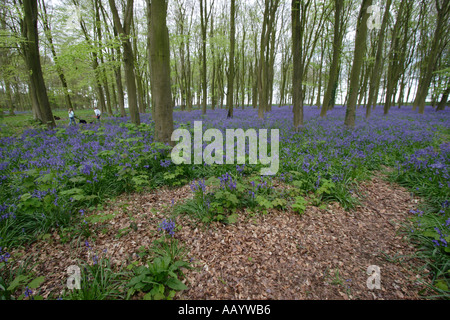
[(330, 91), (443, 9), (444, 99), (31, 50), (298, 13), (377, 68), (358, 56), (48, 34), (128, 56), (231, 71), (160, 68)]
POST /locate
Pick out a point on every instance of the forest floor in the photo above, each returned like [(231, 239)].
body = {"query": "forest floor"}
[(322, 254)]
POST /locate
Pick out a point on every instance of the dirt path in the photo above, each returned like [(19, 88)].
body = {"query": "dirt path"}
[(323, 254)]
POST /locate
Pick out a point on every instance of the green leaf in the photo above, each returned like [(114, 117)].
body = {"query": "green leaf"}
[(171, 295), (148, 296), (232, 218), (36, 282), (159, 296), (213, 181), (78, 179), (278, 202), (299, 205), (19, 280), (431, 234), (72, 192), (441, 285), (176, 284)]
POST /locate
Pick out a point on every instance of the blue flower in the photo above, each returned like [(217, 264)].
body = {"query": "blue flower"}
[(167, 226), (165, 163), (28, 292)]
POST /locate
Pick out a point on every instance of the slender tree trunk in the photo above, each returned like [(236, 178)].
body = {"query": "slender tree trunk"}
[(298, 13), (118, 79), (359, 53), (120, 94), (103, 71), (213, 79), (270, 10), (204, 84), (160, 67), (128, 56), (10, 98), (377, 69), (444, 99), (319, 82), (231, 69), (95, 65), (48, 34), (330, 91)]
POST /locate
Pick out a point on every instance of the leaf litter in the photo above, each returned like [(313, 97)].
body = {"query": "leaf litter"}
[(322, 254)]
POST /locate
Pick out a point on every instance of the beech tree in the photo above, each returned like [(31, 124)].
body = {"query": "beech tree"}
[(30, 48), (331, 87), (128, 56), (230, 89), (160, 69), (360, 48), (439, 42)]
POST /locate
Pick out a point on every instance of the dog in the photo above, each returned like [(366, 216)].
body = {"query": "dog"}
[(82, 121), (57, 118)]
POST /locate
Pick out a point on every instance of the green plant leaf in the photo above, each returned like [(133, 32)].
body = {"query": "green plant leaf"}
[(441, 285), (176, 284), (36, 282), (232, 218), (18, 281)]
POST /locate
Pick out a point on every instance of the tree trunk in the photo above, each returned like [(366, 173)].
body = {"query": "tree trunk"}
[(270, 10), (160, 68), (359, 53), (128, 57), (444, 99), (330, 91), (443, 10), (230, 89), (31, 50), (298, 13), (204, 84), (48, 34), (319, 91), (377, 68)]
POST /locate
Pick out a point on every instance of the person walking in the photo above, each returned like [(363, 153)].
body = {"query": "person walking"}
[(98, 113), (72, 117)]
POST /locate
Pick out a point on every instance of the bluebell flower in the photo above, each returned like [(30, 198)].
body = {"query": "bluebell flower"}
[(167, 226)]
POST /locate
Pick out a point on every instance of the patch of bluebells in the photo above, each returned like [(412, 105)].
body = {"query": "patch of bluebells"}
[(165, 163), (4, 256), (433, 164), (227, 182), (198, 186), (167, 226), (442, 242), (28, 293), (5, 213), (240, 168), (83, 217), (419, 213), (326, 149)]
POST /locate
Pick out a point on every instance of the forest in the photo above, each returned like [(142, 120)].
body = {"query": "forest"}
[(352, 97)]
